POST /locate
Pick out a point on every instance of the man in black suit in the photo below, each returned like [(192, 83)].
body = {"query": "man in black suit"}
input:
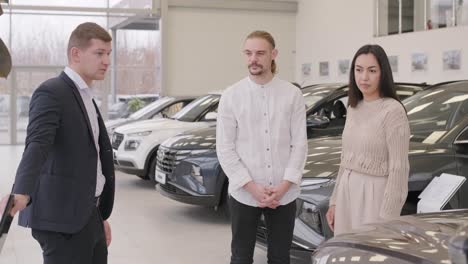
[(64, 185)]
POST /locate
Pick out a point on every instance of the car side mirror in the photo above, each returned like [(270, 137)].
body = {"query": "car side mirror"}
[(458, 246), (211, 116), (317, 121)]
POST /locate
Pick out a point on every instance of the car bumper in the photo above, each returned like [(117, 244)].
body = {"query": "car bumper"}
[(127, 167), (183, 195)]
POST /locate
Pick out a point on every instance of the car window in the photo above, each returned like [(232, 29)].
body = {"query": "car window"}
[(311, 100), (197, 107), (406, 90), (335, 109), (215, 110), (461, 113), (463, 136), (151, 107), (432, 113), (172, 109)]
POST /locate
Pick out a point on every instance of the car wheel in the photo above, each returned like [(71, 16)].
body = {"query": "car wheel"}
[(144, 177), (152, 170)]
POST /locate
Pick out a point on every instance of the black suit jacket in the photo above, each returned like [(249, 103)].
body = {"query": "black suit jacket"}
[(59, 163)]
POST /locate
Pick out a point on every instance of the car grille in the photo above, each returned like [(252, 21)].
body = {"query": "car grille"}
[(168, 159), (172, 189), (168, 188), (117, 139)]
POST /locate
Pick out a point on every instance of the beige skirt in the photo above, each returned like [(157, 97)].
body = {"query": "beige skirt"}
[(358, 200)]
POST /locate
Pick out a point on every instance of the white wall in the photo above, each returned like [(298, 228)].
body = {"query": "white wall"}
[(204, 46), (334, 30)]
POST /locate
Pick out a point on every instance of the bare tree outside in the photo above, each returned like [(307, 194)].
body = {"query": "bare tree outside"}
[(40, 54)]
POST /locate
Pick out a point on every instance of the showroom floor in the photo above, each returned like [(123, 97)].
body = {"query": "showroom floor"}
[(147, 227)]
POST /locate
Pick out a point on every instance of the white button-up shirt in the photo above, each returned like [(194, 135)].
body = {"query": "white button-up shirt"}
[(87, 97), (261, 136)]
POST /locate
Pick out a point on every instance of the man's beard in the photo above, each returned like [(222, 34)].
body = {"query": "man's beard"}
[(260, 70)]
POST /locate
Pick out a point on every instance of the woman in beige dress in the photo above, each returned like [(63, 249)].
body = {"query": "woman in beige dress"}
[(372, 182)]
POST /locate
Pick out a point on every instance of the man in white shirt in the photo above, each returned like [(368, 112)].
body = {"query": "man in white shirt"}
[(262, 147)]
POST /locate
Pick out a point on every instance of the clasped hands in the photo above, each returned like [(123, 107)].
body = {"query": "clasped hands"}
[(268, 196)]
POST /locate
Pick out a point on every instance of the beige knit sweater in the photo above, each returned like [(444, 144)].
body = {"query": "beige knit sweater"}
[(376, 142)]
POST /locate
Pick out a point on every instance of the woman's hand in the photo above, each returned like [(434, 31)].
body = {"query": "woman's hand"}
[(331, 217)]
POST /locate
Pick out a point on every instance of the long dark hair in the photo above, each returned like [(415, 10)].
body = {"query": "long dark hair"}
[(386, 84)]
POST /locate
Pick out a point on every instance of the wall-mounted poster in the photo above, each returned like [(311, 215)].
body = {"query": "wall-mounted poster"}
[(343, 67), (393, 63), (323, 68), (419, 62), (452, 60), (306, 69)]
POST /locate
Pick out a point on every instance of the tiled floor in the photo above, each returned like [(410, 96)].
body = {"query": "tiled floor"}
[(147, 227)]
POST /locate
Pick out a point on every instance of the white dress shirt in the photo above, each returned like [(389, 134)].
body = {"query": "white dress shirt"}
[(261, 136), (88, 97)]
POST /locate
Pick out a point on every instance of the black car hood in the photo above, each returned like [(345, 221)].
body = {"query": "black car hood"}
[(324, 155), (415, 237), (323, 158), (203, 138), (323, 162)]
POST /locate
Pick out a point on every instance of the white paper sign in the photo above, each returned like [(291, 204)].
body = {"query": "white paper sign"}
[(439, 192)]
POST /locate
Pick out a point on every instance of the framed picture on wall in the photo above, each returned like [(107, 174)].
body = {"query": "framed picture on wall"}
[(306, 70), (323, 69), (393, 63), (419, 62), (343, 67), (452, 60)]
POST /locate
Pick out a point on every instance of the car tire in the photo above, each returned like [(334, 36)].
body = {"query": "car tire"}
[(144, 177), (152, 169)]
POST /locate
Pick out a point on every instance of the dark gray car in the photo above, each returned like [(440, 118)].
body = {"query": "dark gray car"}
[(424, 238), (438, 120)]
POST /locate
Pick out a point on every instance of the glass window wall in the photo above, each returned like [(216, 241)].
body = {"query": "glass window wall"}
[(404, 16), (40, 54)]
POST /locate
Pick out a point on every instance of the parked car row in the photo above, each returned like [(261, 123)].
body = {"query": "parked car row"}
[(189, 164), (135, 145), (179, 153), (161, 108)]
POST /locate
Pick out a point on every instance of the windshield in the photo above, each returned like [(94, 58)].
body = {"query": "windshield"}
[(433, 112), (315, 93), (150, 108), (406, 90), (193, 110)]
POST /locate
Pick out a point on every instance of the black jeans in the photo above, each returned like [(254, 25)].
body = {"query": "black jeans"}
[(280, 226), (88, 246)]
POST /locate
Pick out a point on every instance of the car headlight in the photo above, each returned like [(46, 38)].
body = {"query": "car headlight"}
[(310, 215), (132, 144), (140, 134), (196, 173)]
